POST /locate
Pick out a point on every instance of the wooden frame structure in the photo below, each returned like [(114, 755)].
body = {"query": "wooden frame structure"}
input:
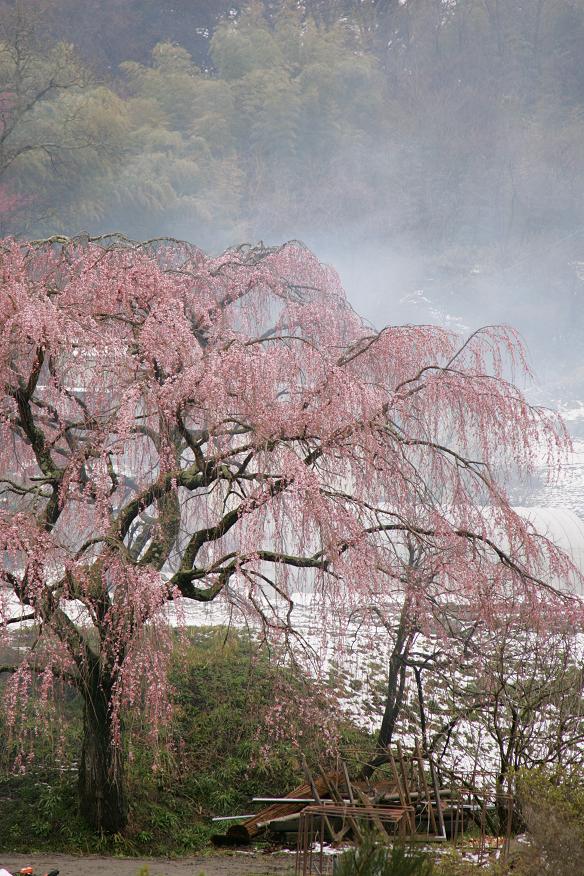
[(310, 850), (405, 797)]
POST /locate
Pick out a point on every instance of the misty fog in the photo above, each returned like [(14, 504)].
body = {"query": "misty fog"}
[(429, 149)]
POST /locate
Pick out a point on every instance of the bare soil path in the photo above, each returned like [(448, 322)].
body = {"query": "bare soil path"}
[(234, 864)]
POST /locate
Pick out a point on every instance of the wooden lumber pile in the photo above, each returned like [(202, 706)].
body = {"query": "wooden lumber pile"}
[(245, 832), (405, 798)]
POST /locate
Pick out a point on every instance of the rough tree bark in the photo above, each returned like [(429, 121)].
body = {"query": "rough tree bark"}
[(101, 782)]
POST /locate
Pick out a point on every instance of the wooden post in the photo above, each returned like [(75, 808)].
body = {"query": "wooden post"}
[(437, 796), (425, 787), (334, 792), (317, 799), (348, 783), (402, 794), (406, 784), (483, 829)]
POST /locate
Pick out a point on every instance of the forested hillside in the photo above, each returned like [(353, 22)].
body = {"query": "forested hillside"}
[(447, 135)]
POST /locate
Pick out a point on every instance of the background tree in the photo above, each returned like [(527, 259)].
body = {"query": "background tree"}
[(59, 131), (467, 691), (530, 712)]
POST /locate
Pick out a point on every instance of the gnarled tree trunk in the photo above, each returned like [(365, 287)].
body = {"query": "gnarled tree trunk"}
[(102, 792)]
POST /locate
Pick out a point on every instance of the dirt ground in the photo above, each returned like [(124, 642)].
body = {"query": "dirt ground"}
[(244, 863)]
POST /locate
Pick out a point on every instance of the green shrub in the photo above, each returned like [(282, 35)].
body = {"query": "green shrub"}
[(372, 858), (552, 807)]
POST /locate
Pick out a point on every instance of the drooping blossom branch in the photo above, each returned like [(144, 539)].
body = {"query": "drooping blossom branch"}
[(181, 427)]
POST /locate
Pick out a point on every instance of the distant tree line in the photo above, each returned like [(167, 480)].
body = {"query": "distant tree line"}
[(448, 122), (451, 130)]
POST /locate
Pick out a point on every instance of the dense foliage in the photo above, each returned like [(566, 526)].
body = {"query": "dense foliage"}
[(283, 99), (553, 812), (371, 858)]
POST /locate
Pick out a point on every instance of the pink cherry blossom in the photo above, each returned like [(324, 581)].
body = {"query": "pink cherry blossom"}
[(179, 427)]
